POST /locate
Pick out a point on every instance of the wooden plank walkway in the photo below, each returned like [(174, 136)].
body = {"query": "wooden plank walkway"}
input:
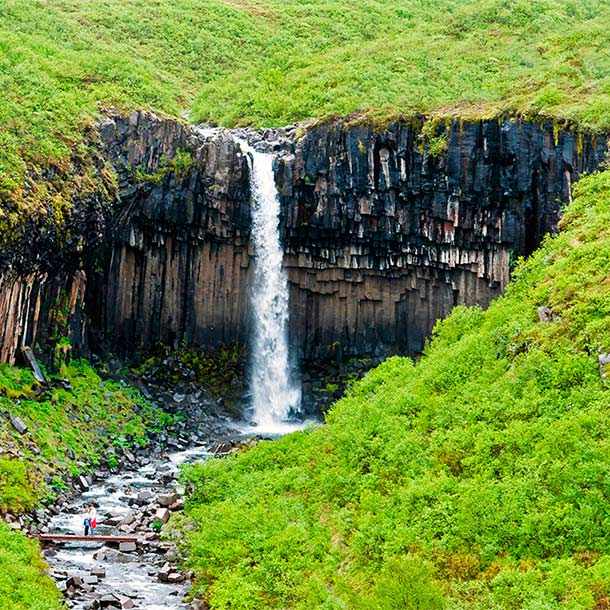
[(76, 538)]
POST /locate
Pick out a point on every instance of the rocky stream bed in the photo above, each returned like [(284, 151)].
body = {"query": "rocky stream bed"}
[(138, 500), (125, 575)]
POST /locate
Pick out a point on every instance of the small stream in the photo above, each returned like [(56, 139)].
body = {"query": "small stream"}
[(107, 577)]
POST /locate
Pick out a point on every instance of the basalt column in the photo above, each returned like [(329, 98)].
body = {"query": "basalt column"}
[(179, 262), (385, 231)]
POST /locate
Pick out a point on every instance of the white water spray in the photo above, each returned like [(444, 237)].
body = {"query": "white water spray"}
[(274, 393)]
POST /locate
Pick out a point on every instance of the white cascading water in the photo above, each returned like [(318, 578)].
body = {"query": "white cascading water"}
[(274, 394)]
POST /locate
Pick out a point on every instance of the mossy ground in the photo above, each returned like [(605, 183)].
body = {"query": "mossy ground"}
[(476, 479), (69, 432), (219, 372)]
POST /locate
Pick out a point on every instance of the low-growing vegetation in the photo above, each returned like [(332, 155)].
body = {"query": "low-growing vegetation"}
[(68, 431), (476, 479), (23, 585)]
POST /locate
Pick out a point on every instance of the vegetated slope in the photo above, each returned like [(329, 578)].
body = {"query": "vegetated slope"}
[(23, 585), (478, 478), (68, 433), (270, 62)]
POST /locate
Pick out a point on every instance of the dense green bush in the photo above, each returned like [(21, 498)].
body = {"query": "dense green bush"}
[(17, 492), (478, 478), (23, 585)]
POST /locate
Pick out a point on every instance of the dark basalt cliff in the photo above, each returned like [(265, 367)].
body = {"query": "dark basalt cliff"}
[(382, 236)]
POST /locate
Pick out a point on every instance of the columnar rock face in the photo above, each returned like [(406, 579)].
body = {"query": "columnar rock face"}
[(384, 232), (178, 253), (383, 237), (40, 309)]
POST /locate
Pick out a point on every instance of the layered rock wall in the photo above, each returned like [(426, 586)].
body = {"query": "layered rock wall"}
[(178, 256), (383, 237), (39, 309)]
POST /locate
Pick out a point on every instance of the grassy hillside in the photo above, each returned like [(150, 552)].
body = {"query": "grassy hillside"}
[(68, 431), (477, 479), (269, 62)]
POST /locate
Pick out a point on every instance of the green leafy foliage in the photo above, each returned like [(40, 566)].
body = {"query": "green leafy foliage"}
[(478, 478), (23, 585), (17, 493)]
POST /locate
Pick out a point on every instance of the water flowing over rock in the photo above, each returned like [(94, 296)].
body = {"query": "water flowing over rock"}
[(274, 395), (382, 234)]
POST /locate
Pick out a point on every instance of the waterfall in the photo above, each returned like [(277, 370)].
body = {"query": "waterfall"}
[(274, 394)]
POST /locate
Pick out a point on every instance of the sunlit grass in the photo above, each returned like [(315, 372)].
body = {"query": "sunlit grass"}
[(270, 62)]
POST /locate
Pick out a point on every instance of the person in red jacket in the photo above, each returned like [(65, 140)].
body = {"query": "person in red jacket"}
[(92, 519)]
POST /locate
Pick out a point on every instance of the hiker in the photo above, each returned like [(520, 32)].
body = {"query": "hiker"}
[(92, 519), (86, 520)]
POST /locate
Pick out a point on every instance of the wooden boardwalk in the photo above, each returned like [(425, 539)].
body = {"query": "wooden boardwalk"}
[(75, 538)]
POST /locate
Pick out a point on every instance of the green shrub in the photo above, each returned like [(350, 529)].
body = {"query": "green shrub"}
[(407, 583), (17, 493), (23, 583), (476, 479)]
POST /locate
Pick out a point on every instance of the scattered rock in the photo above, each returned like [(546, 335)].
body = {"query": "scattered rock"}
[(18, 424), (145, 496), (109, 601), (167, 499), (545, 314), (127, 547), (164, 572), (83, 483), (603, 361), (162, 515)]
